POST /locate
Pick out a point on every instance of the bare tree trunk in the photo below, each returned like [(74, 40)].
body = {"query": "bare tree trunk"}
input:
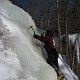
[(66, 35), (70, 52), (59, 30)]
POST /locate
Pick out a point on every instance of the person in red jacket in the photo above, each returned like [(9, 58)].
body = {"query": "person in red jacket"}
[(50, 48)]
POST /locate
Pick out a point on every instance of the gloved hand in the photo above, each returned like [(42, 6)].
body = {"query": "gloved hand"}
[(42, 35), (35, 36)]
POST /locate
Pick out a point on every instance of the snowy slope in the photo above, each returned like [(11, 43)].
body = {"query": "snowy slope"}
[(21, 56)]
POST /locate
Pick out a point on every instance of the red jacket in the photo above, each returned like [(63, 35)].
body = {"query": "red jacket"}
[(48, 42)]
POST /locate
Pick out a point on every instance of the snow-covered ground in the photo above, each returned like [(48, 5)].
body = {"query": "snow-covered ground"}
[(21, 56)]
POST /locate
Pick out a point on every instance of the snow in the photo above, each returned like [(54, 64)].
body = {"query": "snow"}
[(21, 56), (74, 40)]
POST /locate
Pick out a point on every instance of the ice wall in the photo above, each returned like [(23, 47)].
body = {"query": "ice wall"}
[(19, 39)]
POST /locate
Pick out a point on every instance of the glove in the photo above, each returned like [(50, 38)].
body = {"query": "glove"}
[(41, 35), (35, 36)]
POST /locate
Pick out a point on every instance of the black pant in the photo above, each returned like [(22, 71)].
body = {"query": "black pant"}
[(53, 58)]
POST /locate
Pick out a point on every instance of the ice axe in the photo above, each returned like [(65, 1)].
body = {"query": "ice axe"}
[(32, 28), (33, 31)]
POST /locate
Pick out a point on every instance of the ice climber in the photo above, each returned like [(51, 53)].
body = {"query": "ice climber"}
[(50, 48)]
